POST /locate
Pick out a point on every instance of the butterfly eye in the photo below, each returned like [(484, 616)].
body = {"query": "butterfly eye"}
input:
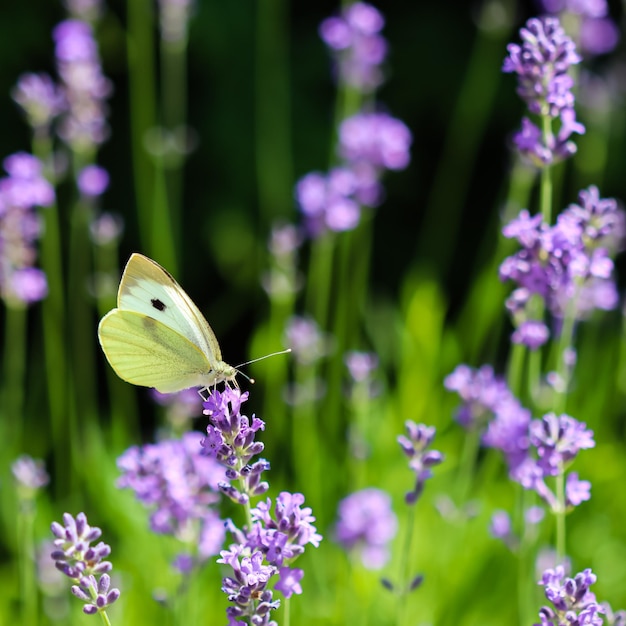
[(158, 305)]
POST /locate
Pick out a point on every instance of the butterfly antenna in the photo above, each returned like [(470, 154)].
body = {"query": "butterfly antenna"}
[(267, 356), (252, 381)]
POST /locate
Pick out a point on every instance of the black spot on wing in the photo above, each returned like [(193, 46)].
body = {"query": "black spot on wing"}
[(159, 305)]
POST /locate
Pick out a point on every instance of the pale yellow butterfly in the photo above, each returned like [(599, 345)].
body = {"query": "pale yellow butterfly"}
[(157, 337)]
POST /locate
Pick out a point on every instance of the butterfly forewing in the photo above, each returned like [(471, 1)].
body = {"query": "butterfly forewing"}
[(148, 288), (167, 362)]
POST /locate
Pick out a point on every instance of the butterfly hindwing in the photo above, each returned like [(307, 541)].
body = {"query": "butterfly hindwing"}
[(143, 351), (148, 288)]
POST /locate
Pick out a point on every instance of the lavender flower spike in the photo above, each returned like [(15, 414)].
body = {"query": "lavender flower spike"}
[(572, 601), (75, 557), (541, 64), (421, 460)]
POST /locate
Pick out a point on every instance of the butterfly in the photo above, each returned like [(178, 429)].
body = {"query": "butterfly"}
[(157, 337)]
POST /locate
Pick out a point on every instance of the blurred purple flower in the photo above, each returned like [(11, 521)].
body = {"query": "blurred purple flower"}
[(176, 479), (532, 334), (576, 491), (85, 88), (332, 202), (20, 193), (598, 33), (589, 8), (305, 339), (359, 48), (93, 181), (376, 139), (482, 392), (107, 228), (500, 526), (40, 98), (360, 365), (366, 524), (29, 473)]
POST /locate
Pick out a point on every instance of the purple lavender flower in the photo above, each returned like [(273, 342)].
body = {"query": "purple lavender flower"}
[(599, 36), (558, 439), (30, 474), (106, 229), (598, 33), (366, 524), (247, 588), (181, 484), (576, 491), (554, 442), (482, 392), (96, 594), (273, 540), (359, 48), (93, 181), (360, 365), (568, 263), (376, 139), (614, 618), (333, 202), (415, 446), (285, 239), (85, 87), (40, 99), (289, 582), (500, 526), (75, 557), (532, 334), (307, 342), (541, 151), (20, 193), (591, 8), (572, 601), (285, 535), (541, 64)]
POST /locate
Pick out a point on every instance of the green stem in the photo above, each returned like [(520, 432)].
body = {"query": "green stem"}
[(274, 167), (546, 174), (405, 559), (560, 516), (28, 587), (140, 46), (14, 374)]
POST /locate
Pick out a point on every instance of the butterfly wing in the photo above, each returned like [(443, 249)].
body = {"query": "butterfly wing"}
[(148, 288), (143, 351)]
